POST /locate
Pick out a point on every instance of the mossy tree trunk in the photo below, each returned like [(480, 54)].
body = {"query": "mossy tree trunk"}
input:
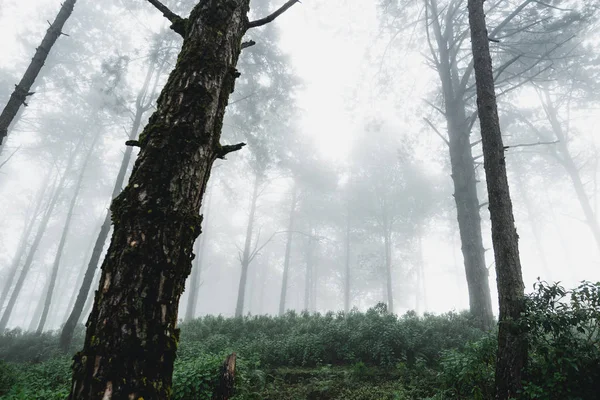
[(22, 90), (132, 335), (512, 343)]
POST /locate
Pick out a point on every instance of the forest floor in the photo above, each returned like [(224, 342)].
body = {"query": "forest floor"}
[(353, 356)]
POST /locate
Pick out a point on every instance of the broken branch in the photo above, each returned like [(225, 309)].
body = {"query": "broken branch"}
[(270, 18), (228, 148), (177, 23), (247, 44), (529, 144)]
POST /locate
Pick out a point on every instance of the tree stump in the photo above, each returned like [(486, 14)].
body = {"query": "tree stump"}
[(225, 386)]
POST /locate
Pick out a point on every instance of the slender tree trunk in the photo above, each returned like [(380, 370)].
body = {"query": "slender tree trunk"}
[(132, 335), (79, 280), (190, 311), (308, 278), (571, 168), (464, 179), (142, 106), (288, 251), (22, 90), (388, 270), (64, 235), (23, 243), (40, 303), (247, 256), (347, 265), (512, 343), (421, 297), (36, 241)]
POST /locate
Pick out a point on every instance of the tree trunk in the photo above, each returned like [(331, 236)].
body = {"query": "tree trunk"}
[(288, 251), (225, 386), (464, 179), (388, 270), (190, 311), (512, 344), (64, 235), (247, 256), (131, 338), (308, 278), (36, 241), (12, 272), (347, 265), (142, 105), (19, 95), (569, 164), (40, 304)]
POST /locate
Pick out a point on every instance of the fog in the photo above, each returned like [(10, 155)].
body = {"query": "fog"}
[(355, 115)]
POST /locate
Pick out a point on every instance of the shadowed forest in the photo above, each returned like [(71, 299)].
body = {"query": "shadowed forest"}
[(327, 199)]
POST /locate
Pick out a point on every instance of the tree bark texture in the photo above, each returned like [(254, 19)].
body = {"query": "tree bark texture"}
[(247, 256), (512, 344), (288, 252), (142, 105), (38, 238), (225, 387), (132, 335), (22, 90), (63, 238)]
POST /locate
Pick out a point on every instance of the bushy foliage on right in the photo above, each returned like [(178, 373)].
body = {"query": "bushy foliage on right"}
[(564, 327)]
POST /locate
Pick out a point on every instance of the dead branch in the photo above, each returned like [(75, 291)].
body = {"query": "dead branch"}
[(228, 148), (436, 131), (247, 44), (177, 23), (530, 144), (270, 18)]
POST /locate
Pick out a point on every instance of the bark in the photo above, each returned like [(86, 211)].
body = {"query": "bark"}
[(225, 386), (464, 179), (288, 251), (22, 90), (247, 255), (23, 243), (63, 237), (132, 335), (512, 344), (36, 241), (190, 311), (142, 106)]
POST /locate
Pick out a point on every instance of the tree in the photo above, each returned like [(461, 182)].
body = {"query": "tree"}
[(143, 104), (512, 344), (132, 334), (22, 90)]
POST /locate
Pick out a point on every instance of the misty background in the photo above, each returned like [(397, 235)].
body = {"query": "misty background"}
[(347, 167)]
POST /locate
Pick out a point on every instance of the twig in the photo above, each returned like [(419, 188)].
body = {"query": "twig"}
[(9, 157), (529, 144), (270, 18), (436, 131)]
